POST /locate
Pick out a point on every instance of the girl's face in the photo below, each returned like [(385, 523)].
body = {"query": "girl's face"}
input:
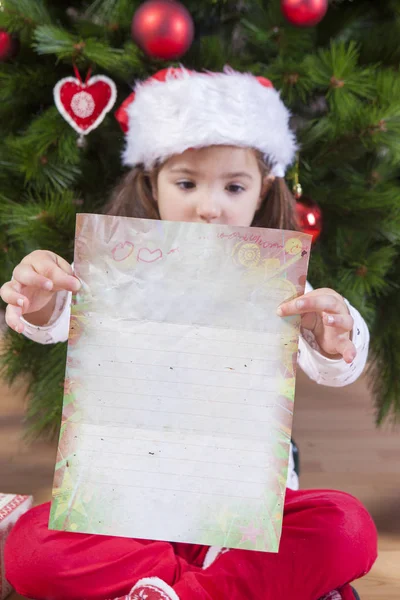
[(217, 184)]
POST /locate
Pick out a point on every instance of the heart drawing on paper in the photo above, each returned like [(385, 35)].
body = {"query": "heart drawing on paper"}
[(122, 251), (149, 256)]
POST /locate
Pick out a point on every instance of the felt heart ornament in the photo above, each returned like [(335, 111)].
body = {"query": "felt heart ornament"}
[(85, 104)]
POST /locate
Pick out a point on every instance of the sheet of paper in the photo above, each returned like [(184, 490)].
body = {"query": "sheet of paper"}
[(180, 382)]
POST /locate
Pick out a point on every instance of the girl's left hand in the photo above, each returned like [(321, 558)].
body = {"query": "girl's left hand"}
[(325, 313)]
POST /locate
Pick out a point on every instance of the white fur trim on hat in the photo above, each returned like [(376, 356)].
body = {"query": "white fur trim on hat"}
[(195, 110)]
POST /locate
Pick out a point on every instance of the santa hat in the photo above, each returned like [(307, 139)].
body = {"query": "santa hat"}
[(178, 109)]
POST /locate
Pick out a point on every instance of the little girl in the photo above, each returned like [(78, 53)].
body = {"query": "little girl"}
[(211, 148)]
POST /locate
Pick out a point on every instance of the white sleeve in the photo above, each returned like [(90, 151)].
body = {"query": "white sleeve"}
[(57, 328), (334, 372)]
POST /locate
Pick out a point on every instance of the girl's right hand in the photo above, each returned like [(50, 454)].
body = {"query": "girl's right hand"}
[(33, 286)]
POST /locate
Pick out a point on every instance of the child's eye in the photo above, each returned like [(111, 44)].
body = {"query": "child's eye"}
[(186, 185), (235, 188)]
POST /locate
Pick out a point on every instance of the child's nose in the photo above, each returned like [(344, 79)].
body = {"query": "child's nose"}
[(208, 208)]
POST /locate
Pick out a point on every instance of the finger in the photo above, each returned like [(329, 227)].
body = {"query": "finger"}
[(347, 349), (13, 318), (16, 286), (11, 296), (55, 268), (26, 275), (318, 303), (309, 321), (55, 278), (64, 265), (61, 280), (342, 322), (42, 260), (13, 284)]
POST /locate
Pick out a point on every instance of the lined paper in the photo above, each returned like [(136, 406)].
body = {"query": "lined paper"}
[(180, 382)]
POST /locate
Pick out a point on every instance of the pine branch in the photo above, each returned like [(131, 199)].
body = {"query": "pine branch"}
[(102, 55), (367, 195), (371, 277), (291, 78), (21, 16), (387, 88), (379, 38), (123, 62), (269, 33), (49, 131), (382, 133), (53, 176), (88, 29), (47, 222), (23, 86), (55, 40), (22, 92), (106, 12), (131, 65), (362, 130), (10, 254), (9, 168), (46, 155), (211, 52), (389, 228), (336, 71)]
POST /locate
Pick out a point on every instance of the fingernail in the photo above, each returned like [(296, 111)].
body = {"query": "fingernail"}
[(20, 302), (330, 319), (299, 303), (48, 285), (19, 328), (279, 311)]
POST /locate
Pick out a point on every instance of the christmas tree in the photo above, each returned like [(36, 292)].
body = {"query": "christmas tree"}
[(340, 79)]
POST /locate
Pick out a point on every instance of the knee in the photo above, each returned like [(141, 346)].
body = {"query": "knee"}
[(16, 562), (349, 538), (25, 560)]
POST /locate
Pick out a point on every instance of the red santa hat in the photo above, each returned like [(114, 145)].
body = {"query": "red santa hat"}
[(178, 109)]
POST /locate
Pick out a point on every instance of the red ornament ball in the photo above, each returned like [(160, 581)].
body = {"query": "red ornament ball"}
[(309, 217), (163, 29), (8, 45), (304, 13)]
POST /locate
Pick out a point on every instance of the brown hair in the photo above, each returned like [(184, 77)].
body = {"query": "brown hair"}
[(133, 197)]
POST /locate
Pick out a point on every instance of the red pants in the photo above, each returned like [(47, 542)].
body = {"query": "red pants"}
[(328, 540)]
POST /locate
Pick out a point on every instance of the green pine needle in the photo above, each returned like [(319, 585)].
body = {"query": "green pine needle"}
[(336, 71), (47, 222), (109, 12), (101, 54), (55, 40), (21, 16)]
